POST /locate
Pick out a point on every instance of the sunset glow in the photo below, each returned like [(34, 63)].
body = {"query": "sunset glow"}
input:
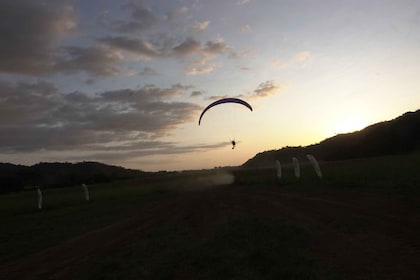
[(349, 125)]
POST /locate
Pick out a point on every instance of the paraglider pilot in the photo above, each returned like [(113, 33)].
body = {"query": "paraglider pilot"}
[(233, 144)]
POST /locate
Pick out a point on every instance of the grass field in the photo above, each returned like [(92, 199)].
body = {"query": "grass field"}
[(222, 224)]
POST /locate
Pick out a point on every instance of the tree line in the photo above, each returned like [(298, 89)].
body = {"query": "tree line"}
[(50, 175)]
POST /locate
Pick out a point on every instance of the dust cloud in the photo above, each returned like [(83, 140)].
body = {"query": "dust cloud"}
[(212, 179), (219, 178)]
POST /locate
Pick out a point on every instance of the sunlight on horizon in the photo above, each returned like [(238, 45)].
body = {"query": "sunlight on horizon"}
[(348, 125)]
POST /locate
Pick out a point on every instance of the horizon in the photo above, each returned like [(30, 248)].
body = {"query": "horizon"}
[(124, 83), (215, 167)]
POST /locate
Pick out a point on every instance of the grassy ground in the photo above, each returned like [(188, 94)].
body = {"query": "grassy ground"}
[(248, 246), (26, 229), (391, 174)]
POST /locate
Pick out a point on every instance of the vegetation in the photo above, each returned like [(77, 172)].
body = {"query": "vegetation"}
[(25, 229), (50, 175), (249, 248), (65, 213)]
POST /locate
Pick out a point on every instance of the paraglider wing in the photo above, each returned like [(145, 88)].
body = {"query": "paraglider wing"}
[(224, 100)]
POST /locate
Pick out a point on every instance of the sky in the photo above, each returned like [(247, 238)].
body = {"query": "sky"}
[(124, 82)]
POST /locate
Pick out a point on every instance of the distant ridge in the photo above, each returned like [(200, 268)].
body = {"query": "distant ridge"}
[(48, 175), (397, 136)]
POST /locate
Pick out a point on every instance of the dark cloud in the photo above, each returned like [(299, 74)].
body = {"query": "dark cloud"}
[(182, 87), (37, 117), (196, 93), (173, 14), (25, 104), (216, 97), (216, 47), (188, 47), (139, 149), (30, 32), (191, 47), (34, 40), (98, 61), (141, 19), (148, 71)]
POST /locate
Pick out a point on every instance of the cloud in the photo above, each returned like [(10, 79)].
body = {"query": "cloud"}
[(99, 61), (173, 14), (216, 47), (25, 103), (146, 50), (191, 47), (141, 149), (36, 116), (31, 33), (200, 70), (266, 89), (131, 73), (182, 87), (246, 28), (303, 56), (36, 40), (278, 63), (203, 55), (297, 59), (188, 47), (242, 2), (201, 26), (196, 93), (138, 47), (216, 97), (148, 71), (141, 19), (197, 56)]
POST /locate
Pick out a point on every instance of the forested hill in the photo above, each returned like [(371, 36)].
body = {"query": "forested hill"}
[(400, 135), (44, 175)]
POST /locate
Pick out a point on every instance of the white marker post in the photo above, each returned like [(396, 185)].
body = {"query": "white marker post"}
[(39, 199), (296, 166), (278, 165), (85, 188), (315, 165)]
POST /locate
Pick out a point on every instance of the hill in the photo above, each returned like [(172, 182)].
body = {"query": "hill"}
[(48, 175), (397, 136)]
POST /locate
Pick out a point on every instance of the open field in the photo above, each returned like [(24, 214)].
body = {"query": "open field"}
[(361, 221)]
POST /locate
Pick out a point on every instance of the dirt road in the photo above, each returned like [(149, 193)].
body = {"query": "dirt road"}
[(358, 235)]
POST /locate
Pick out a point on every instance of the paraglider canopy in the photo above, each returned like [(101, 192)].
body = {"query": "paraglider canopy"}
[(222, 101)]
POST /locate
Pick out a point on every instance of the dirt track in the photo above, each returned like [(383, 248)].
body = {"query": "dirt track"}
[(362, 236)]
